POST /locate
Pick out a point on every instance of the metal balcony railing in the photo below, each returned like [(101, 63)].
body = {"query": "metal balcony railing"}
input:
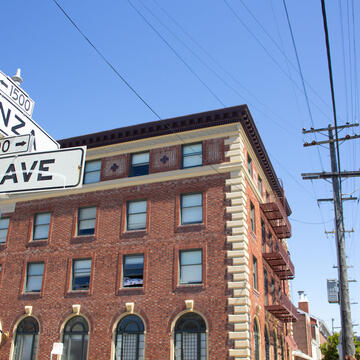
[(283, 309)]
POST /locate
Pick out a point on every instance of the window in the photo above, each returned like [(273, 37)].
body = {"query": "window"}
[(191, 209), (282, 349), (129, 341), (260, 184), (256, 340), (190, 337), (273, 290), (92, 171), (267, 346), (26, 339), (267, 196), (255, 273), (192, 155), (190, 267), (136, 215), (266, 287), (86, 221), (75, 339), (133, 271), (139, 164), (81, 271), (34, 277), (249, 163), (252, 216), (4, 227), (263, 236), (41, 226)]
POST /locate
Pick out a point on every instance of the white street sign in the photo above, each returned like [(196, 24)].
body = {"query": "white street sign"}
[(58, 169), (15, 144), (14, 122), (16, 95)]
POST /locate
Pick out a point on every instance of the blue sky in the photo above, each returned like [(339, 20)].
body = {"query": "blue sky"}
[(224, 49)]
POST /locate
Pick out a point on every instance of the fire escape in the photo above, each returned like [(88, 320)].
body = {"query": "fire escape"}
[(278, 259)]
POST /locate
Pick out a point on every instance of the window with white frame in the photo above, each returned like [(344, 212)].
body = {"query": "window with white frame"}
[(133, 270), (81, 271), (191, 208), (136, 215), (190, 266), (4, 227), (86, 220), (191, 155), (41, 226), (92, 171), (139, 164), (34, 277)]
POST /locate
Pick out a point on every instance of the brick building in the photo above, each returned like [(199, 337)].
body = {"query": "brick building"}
[(174, 248), (309, 332)]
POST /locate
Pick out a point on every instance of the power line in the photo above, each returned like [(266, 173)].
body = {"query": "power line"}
[(106, 60), (176, 53), (268, 53), (301, 74), (332, 92), (213, 71)]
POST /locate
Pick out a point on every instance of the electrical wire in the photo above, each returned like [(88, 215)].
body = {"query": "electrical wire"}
[(213, 71), (176, 53), (269, 54), (212, 58)]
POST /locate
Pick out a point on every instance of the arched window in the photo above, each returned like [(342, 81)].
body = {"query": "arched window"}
[(190, 337), (129, 341), (275, 347), (256, 340), (76, 338), (26, 339), (267, 345)]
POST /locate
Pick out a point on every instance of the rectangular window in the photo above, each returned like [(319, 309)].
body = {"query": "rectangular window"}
[(92, 171), (133, 271), (136, 215), (266, 287), (139, 164), (249, 163), (263, 236), (270, 241), (260, 184), (86, 221), (41, 226), (190, 267), (192, 155), (191, 209), (252, 216), (34, 276), (267, 197), (273, 290), (255, 273), (4, 227), (81, 271)]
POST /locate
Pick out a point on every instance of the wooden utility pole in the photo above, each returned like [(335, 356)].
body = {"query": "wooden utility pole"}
[(347, 340)]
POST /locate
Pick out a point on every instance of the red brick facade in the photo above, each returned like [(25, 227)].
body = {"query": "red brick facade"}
[(161, 300)]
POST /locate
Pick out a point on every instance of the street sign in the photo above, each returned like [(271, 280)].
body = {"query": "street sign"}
[(16, 95), (15, 144), (14, 122), (39, 171)]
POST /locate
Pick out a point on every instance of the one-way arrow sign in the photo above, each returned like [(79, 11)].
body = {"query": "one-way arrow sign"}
[(15, 144)]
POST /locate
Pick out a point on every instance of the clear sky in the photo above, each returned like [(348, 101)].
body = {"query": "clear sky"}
[(197, 56)]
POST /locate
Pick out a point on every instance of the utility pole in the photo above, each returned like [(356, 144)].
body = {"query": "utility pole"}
[(335, 175)]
